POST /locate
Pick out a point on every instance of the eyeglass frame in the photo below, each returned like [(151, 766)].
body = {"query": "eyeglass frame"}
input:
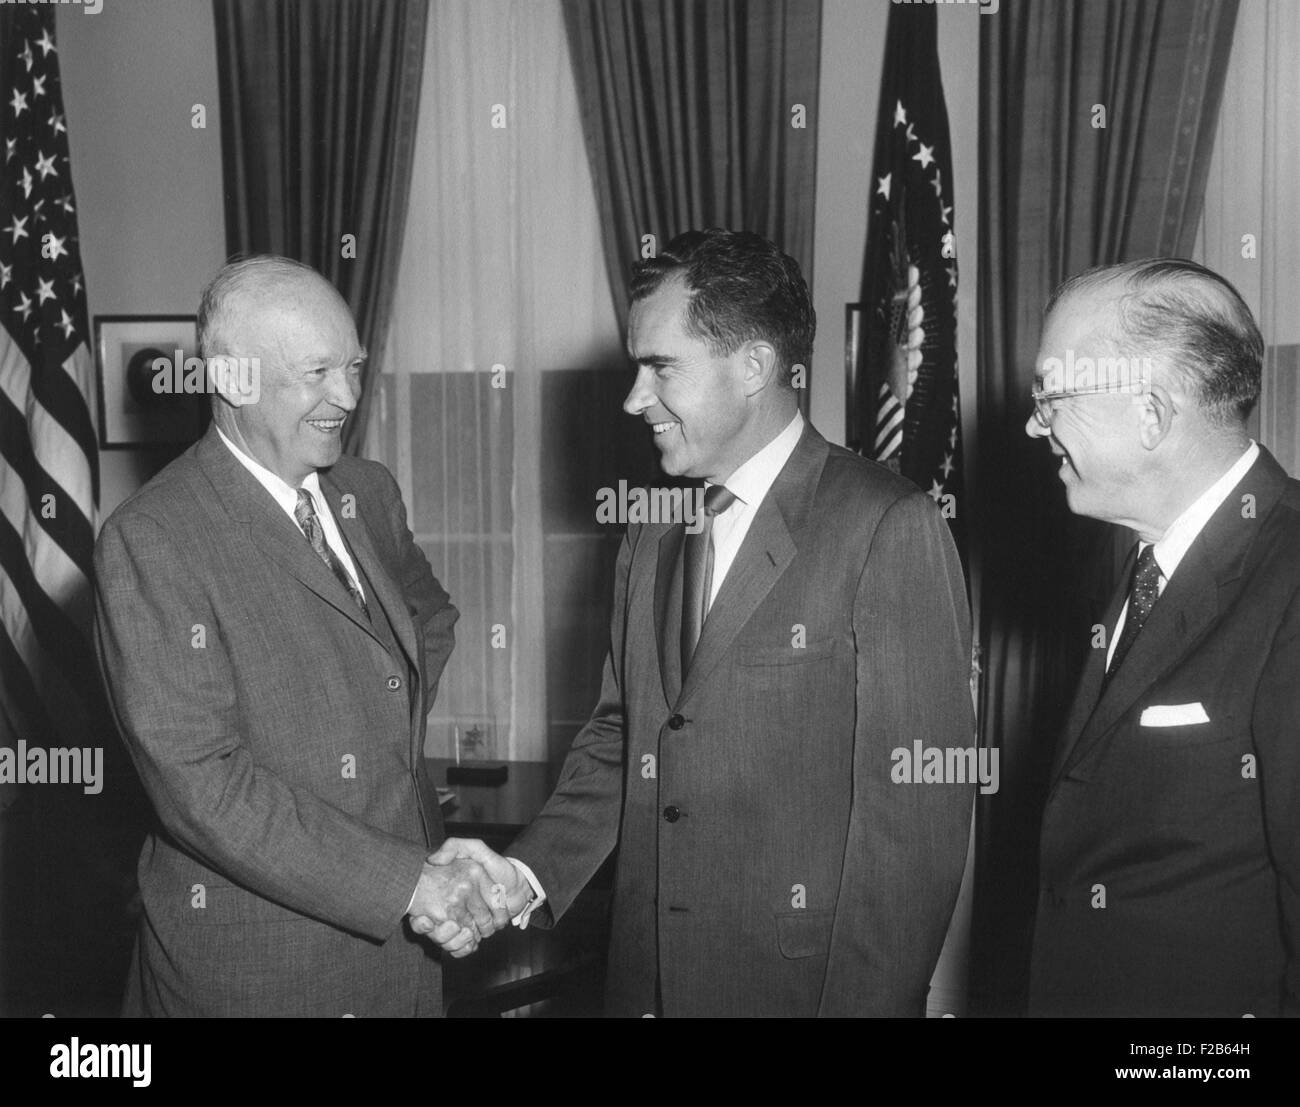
[(1043, 413)]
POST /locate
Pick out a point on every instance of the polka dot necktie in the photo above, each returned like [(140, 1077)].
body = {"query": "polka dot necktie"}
[(1143, 592), (305, 513), (697, 572)]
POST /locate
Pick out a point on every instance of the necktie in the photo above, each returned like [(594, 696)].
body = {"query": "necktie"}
[(1143, 591), (697, 572), (305, 513)]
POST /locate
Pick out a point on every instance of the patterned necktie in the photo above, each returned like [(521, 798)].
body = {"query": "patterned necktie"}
[(697, 572), (305, 513), (1143, 592)]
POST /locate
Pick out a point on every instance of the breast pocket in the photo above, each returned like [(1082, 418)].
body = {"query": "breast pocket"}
[(1185, 736), (765, 656), (802, 934)]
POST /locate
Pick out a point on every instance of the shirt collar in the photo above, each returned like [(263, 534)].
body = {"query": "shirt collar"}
[(283, 493), (752, 480), (1183, 531)]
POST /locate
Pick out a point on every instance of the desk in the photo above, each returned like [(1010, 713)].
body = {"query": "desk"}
[(495, 812)]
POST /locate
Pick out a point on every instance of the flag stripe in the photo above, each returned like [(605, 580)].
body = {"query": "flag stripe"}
[(24, 712), (59, 453), (69, 527), (62, 640)]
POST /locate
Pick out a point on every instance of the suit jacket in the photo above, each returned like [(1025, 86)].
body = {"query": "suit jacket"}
[(279, 734), (768, 865), (1170, 856)]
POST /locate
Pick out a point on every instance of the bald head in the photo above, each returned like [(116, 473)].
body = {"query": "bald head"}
[(297, 333), (231, 306), (1188, 320)]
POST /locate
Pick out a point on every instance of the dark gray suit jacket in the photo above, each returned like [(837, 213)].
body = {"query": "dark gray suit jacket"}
[(279, 735), (1191, 833), (768, 865)]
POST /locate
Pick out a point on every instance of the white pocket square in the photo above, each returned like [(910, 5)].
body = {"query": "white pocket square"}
[(1174, 714)]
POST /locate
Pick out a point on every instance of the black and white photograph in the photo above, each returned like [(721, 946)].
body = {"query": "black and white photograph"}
[(594, 509)]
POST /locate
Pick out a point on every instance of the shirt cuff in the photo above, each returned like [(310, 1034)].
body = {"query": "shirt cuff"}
[(539, 896)]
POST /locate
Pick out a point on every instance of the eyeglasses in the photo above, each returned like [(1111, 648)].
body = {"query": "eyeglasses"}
[(1043, 400)]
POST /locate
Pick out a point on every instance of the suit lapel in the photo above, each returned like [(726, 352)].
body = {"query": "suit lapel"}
[(668, 610), (270, 527), (1201, 588), (386, 592), (1086, 696), (769, 546)]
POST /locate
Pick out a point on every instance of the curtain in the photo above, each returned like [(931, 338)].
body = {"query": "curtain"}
[(1252, 206), (500, 285), (318, 107), (1097, 123), (698, 115)]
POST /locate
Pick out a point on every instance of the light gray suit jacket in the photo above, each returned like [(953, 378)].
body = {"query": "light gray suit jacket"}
[(279, 734), (768, 864)]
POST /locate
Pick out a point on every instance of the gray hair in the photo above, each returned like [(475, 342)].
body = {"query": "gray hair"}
[(1194, 318), (239, 275)]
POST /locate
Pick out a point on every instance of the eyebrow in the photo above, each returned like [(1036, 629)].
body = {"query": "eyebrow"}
[(655, 359)]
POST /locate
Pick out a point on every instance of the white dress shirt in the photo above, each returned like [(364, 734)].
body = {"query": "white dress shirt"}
[(749, 484), (1183, 531), (287, 497)]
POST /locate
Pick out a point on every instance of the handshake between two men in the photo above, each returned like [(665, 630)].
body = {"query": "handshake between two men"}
[(466, 893)]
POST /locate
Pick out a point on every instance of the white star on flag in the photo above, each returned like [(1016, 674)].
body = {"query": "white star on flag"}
[(925, 157), (882, 185), (900, 114)]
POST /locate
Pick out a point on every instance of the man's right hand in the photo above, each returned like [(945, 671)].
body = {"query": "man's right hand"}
[(451, 905)]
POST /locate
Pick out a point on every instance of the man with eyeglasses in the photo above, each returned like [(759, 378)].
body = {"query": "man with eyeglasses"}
[(1170, 850)]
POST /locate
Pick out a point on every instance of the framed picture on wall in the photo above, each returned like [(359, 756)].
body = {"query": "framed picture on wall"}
[(141, 402)]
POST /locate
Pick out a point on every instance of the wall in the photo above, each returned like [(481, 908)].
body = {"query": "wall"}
[(148, 184)]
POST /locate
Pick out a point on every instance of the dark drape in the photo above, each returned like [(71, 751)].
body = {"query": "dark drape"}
[(318, 113), (692, 118), (1059, 193)]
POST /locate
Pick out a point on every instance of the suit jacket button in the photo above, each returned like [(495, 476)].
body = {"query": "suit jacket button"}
[(394, 683), (672, 813), (676, 722)]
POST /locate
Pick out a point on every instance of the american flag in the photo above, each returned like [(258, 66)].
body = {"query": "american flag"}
[(49, 476), (907, 408)]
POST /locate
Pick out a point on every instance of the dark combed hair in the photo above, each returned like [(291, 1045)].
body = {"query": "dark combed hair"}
[(1191, 316), (741, 288)]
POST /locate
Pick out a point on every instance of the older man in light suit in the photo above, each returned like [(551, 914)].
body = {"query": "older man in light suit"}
[(271, 639), (1170, 874), (763, 677)]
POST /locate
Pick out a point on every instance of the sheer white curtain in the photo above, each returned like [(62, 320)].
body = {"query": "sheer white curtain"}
[(1254, 189), (501, 278)]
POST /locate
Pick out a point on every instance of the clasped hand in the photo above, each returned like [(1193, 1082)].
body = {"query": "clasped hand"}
[(466, 893)]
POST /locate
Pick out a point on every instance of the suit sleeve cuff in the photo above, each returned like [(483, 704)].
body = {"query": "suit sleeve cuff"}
[(539, 896)]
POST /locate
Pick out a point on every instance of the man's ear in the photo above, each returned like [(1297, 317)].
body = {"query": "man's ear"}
[(234, 381), (759, 363), (1156, 410)]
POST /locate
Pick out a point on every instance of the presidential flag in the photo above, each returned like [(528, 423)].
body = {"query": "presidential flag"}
[(48, 452), (907, 411)]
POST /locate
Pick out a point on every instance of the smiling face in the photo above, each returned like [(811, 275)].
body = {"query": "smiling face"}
[(310, 358), (695, 401), (1097, 436)]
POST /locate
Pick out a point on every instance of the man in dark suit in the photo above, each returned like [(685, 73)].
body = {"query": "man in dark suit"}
[(1170, 856), (271, 639), (764, 677)]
